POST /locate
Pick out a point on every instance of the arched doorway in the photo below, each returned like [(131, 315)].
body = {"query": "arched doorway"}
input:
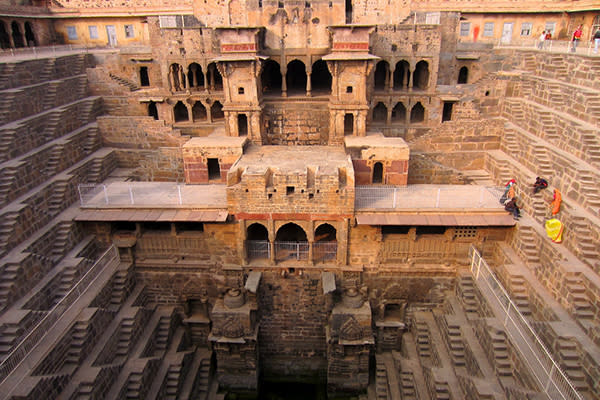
[(291, 243), (180, 112), (257, 242), (325, 245), (195, 76), (177, 77), (295, 78), (4, 37), (421, 78), (16, 34), (399, 113), (417, 114), (348, 124), (380, 113), (152, 110), (320, 78), (463, 75), (199, 112), (29, 35), (377, 173), (216, 111), (382, 71), (270, 78), (242, 121), (401, 75), (215, 80)]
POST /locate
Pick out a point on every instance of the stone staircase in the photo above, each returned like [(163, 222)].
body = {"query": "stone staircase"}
[(519, 294), (529, 247), (56, 203), (548, 125), (7, 179), (53, 164), (119, 288), (408, 386), (124, 82), (6, 75), (61, 241), (592, 145), (587, 246), (589, 190), (50, 95), (423, 339), (543, 164), (6, 105), (571, 364), (7, 226), (502, 363), (466, 293), (381, 381), (509, 141), (578, 299), (79, 334), (7, 137), (48, 70), (134, 386)]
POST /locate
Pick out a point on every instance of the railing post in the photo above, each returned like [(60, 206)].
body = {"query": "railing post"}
[(394, 203), (437, 200), (179, 192), (507, 312), (80, 195), (105, 194), (131, 195), (549, 378), (478, 268)]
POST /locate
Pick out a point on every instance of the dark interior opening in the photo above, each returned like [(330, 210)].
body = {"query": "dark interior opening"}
[(348, 124), (401, 75), (4, 38), (421, 78), (144, 80), (447, 112), (381, 73), (152, 110), (417, 114), (270, 78), (216, 111), (180, 112), (214, 169), (295, 78), (463, 75), (431, 230), (320, 78), (399, 113), (199, 112), (29, 35), (380, 113), (377, 173), (16, 34), (242, 125)]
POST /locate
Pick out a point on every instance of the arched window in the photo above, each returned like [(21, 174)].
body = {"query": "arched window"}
[(4, 37), (180, 112), (401, 75), (177, 77), (399, 113), (16, 34), (199, 112), (377, 173), (257, 242), (463, 75), (291, 243), (242, 125), (29, 35), (348, 124), (270, 78), (417, 114), (421, 78), (380, 113), (320, 78), (382, 71), (216, 111), (195, 75), (215, 80), (152, 110), (325, 245), (295, 78)]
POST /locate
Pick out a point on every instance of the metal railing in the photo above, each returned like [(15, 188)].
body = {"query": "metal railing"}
[(555, 46), (125, 194), (326, 250), (427, 196), (258, 249), (18, 354), (546, 371), (291, 251)]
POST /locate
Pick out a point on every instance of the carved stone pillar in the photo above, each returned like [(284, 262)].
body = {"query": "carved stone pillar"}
[(349, 342)]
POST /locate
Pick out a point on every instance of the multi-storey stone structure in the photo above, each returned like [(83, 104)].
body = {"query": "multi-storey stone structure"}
[(281, 198)]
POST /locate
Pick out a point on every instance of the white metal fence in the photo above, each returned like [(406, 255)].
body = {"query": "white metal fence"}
[(291, 251), (541, 364), (325, 250), (585, 47), (150, 194), (18, 354), (258, 249), (427, 196)]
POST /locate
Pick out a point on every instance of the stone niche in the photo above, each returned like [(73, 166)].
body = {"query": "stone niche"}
[(349, 342), (378, 159), (208, 159), (234, 341)]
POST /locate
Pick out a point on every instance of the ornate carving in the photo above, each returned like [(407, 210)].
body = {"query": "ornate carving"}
[(351, 330), (232, 328)]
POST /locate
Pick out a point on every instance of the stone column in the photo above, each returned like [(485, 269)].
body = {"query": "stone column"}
[(349, 341), (308, 85), (283, 84), (389, 79), (412, 78)]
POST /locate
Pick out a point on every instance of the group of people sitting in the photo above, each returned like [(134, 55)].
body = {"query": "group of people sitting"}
[(510, 200)]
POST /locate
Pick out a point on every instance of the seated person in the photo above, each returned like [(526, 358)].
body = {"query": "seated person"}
[(539, 184), (512, 207)]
